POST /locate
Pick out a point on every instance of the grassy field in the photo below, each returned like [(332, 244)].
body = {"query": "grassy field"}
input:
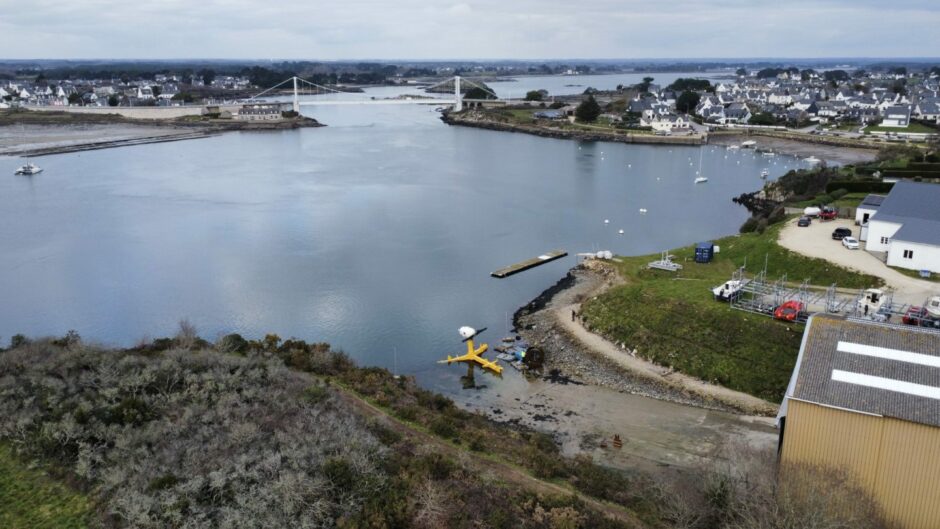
[(851, 200), (674, 321), (29, 499)]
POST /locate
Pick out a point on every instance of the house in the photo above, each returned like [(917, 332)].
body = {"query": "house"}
[(928, 108), (262, 111), (666, 122), (549, 114), (897, 116), (737, 113), (867, 208), (906, 226), (864, 399)]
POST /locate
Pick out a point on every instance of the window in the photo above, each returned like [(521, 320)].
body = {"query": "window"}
[(908, 254), (885, 240)]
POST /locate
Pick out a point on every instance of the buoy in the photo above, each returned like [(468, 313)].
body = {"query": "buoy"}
[(642, 210), (620, 232), (606, 221)]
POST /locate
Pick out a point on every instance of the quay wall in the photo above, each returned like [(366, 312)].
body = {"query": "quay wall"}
[(134, 112)]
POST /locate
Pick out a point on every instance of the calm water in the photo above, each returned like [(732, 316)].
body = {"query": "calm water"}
[(377, 233)]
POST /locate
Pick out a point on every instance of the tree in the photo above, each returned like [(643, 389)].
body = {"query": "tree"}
[(533, 95), (112, 100), (156, 90), (588, 110), (75, 98), (208, 75), (741, 72), (687, 101), (645, 85), (683, 84), (476, 92), (762, 118), (836, 75)]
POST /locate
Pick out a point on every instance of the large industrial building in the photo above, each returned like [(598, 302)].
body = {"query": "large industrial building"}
[(865, 398)]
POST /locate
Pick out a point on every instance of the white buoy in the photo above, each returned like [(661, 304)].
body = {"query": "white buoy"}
[(606, 221), (642, 210), (620, 232)]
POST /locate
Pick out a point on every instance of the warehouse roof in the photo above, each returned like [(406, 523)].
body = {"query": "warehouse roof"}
[(869, 368)]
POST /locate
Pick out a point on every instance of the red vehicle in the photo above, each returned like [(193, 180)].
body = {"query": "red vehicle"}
[(789, 311), (828, 213), (919, 316)]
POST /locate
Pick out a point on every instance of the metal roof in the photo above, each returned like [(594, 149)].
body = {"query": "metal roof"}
[(869, 368), (916, 206), (873, 201), (919, 231)]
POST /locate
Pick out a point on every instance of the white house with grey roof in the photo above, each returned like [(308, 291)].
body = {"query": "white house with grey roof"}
[(906, 227)]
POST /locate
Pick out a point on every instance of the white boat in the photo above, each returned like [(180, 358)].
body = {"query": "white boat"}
[(728, 291), (29, 169), (812, 160), (748, 144), (765, 173), (768, 154), (733, 147), (701, 180), (871, 302), (933, 306)]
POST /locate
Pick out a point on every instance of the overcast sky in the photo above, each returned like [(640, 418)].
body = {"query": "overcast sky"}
[(462, 29)]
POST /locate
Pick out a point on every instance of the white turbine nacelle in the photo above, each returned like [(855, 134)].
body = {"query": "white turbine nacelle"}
[(467, 332)]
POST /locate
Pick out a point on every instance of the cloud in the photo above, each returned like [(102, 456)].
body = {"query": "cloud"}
[(297, 29)]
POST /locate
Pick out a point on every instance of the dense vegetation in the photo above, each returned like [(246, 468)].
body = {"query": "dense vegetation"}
[(181, 433), (678, 324), (31, 499)]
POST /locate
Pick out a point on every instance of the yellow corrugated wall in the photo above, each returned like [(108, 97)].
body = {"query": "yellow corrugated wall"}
[(909, 474), (828, 437), (898, 461)]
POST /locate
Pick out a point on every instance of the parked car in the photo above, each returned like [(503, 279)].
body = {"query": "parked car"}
[(920, 317), (841, 233), (850, 242), (828, 213), (789, 311), (803, 222)]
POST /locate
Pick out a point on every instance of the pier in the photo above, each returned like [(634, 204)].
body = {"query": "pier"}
[(529, 263)]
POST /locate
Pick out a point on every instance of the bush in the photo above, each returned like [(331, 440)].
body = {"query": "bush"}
[(860, 186), (761, 225), (839, 193), (779, 214), (749, 226)]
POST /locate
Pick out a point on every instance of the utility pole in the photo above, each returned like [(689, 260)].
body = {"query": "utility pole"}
[(296, 101), (458, 101)]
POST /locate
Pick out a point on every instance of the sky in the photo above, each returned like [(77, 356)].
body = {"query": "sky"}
[(467, 29)]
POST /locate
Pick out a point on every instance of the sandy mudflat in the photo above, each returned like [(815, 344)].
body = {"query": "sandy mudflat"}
[(21, 139), (802, 149)]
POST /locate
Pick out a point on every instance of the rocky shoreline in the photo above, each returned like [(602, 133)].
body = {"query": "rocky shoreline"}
[(567, 358)]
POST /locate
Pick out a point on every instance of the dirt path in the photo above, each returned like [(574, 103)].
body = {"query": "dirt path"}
[(485, 466), (816, 241)]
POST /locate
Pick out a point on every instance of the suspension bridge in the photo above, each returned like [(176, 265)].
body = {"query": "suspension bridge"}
[(302, 87)]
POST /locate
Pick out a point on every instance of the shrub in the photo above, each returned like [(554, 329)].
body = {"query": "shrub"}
[(778, 214), (839, 193), (749, 226)]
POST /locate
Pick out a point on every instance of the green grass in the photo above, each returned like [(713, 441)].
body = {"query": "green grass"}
[(914, 127), (29, 499), (851, 200), (676, 322), (914, 273)]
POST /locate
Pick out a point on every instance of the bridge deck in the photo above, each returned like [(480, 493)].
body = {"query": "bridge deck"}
[(327, 102)]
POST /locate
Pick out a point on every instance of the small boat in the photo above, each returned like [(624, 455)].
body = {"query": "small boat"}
[(768, 154), (701, 180), (748, 144), (765, 173), (29, 169), (812, 160), (729, 291), (733, 147), (933, 306), (642, 210)]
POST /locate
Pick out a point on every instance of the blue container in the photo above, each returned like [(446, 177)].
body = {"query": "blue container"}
[(704, 252)]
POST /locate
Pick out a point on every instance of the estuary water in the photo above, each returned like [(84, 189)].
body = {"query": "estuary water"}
[(376, 233)]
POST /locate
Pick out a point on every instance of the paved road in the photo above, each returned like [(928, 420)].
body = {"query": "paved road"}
[(816, 241)]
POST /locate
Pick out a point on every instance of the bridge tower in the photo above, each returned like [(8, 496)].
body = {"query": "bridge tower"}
[(296, 101), (458, 100)]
